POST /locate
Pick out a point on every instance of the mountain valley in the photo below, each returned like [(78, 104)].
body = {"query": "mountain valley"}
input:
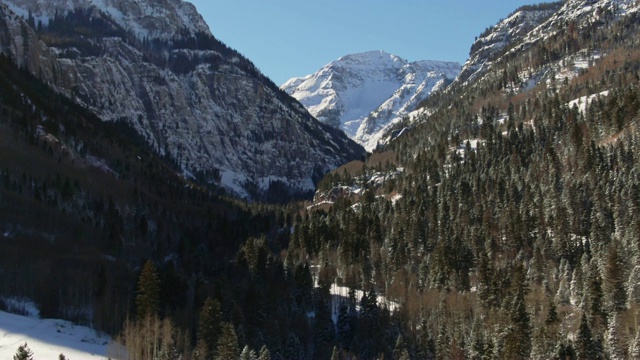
[(149, 186)]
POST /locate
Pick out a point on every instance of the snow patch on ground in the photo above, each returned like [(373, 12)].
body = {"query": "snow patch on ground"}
[(233, 181), (48, 338), (583, 102), (395, 198), (340, 295)]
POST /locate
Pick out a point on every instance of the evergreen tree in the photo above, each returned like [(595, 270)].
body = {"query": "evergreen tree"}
[(209, 327), (148, 291), (344, 327), (634, 346), (615, 280), (264, 353), (614, 339), (518, 339), (585, 343), (400, 351), (293, 349), (227, 346), (23, 353), (443, 344), (633, 286), (595, 297), (426, 346), (335, 354), (552, 315), (248, 354)]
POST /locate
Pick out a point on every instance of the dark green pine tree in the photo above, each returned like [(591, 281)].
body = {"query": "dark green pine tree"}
[(344, 327), (265, 354), (595, 298), (369, 304), (209, 327), (400, 351), (585, 346), (552, 316), (293, 349), (227, 346), (323, 327), (23, 353), (518, 340), (443, 343), (148, 292), (425, 347), (614, 280), (304, 285), (248, 354)]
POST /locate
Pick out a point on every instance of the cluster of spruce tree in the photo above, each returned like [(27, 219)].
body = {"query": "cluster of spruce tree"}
[(526, 247)]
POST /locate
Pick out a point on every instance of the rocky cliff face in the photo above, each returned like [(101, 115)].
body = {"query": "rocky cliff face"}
[(157, 66), (494, 41), (530, 25), (365, 94)]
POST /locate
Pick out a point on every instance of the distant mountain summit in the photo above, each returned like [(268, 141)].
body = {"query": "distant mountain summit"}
[(364, 94), (156, 66)]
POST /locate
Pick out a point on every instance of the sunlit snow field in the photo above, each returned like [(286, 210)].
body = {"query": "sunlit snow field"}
[(48, 338)]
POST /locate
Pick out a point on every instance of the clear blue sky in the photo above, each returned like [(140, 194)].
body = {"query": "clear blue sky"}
[(290, 38)]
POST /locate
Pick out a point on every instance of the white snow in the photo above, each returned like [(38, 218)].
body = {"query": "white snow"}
[(474, 144), (584, 101), (48, 338), (340, 295), (364, 94), (395, 198)]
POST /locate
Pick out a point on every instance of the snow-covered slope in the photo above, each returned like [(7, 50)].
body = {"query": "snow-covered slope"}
[(363, 94), (495, 40), (581, 14), (155, 65), (530, 25), (48, 338)]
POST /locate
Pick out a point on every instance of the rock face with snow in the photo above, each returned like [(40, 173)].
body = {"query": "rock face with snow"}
[(364, 94), (495, 40), (155, 65), (529, 25)]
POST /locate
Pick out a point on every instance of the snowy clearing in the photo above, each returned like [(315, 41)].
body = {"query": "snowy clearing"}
[(584, 101), (48, 338)]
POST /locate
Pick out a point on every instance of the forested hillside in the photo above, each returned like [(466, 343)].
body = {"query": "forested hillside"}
[(514, 231)]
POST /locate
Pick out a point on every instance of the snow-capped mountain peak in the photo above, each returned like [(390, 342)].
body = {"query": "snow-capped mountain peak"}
[(364, 94)]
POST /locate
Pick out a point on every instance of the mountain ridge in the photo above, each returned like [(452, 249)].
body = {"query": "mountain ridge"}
[(190, 96)]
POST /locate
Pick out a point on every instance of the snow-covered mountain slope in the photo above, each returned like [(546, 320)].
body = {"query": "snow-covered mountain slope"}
[(155, 65), (530, 25), (578, 14), (48, 338), (364, 94), (495, 40)]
